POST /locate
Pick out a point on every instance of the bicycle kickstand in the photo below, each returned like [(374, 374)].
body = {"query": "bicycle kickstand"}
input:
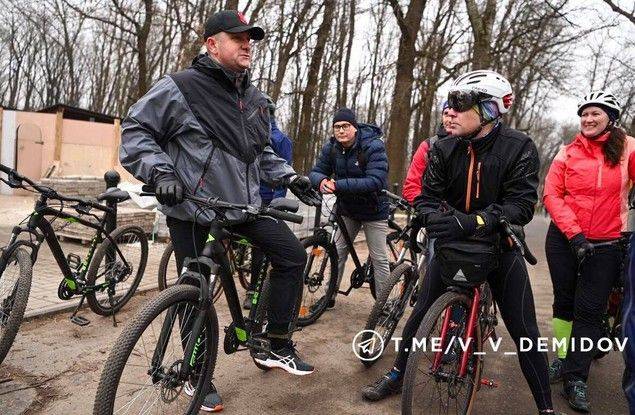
[(79, 320), (114, 319)]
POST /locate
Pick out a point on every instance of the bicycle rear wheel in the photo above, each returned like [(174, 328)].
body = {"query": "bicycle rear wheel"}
[(15, 286), (387, 310), (141, 374), (319, 280), (109, 264), (427, 390)]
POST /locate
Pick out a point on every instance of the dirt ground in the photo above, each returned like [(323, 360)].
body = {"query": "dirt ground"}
[(54, 365)]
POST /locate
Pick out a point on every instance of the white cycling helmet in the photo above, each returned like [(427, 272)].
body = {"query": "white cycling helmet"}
[(489, 83), (602, 98)]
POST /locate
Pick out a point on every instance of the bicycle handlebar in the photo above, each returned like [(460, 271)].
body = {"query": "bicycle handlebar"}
[(400, 201), (520, 244), (15, 180), (216, 203)]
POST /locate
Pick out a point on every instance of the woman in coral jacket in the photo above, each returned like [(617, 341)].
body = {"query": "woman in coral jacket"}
[(586, 192)]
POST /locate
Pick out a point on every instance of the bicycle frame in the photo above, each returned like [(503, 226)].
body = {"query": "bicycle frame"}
[(38, 222), (213, 262), (471, 324)]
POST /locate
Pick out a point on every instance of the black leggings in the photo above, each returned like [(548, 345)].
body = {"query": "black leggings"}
[(512, 292), (276, 240), (580, 298)]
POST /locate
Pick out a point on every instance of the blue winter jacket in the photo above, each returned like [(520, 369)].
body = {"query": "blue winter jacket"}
[(282, 146), (357, 188)]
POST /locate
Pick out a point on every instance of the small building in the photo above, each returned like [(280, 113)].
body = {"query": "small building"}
[(60, 140)]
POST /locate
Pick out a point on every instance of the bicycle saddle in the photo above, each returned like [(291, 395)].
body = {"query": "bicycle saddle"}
[(114, 194)]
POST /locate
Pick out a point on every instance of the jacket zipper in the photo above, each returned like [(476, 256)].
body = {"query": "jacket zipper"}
[(201, 180), (242, 125), (598, 185), (468, 194), (247, 181), (478, 180)]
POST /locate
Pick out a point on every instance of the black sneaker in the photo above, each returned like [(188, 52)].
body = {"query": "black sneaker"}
[(331, 303), (576, 394), (384, 387), (248, 298), (286, 359), (555, 370), (212, 401)]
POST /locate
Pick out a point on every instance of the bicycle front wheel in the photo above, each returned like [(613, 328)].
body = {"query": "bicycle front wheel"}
[(15, 285), (432, 382), (143, 371), (388, 309), (117, 271), (319, 280)]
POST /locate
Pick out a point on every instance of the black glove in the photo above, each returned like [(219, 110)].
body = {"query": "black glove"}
[(300, 186), (168, 189), (581, 247), (450, 225), (416, 223)]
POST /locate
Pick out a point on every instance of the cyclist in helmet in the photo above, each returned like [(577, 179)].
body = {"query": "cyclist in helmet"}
[(483, 171), (586, 195)]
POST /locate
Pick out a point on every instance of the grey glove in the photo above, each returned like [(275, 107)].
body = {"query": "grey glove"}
[(168, 189)]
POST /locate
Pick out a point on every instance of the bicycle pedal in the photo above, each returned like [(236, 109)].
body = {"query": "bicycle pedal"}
[(490, 383), (80, 321)]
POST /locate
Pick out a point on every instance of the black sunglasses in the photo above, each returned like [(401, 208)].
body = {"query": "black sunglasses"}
[(462, 101)]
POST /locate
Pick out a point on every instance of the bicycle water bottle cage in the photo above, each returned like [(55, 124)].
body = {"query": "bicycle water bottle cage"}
[(74, 261)]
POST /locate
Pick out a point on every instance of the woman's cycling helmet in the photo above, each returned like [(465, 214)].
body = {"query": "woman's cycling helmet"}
[(484, 85), (603, 99)]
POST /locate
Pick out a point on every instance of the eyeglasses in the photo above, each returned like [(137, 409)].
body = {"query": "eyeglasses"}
[(341, 127), (462, 101)]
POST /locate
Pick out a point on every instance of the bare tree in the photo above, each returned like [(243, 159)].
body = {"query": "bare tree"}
[(300, 153), (401, 110)]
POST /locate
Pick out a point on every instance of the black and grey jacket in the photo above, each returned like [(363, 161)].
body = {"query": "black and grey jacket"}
[(496, 175), (210, 131)]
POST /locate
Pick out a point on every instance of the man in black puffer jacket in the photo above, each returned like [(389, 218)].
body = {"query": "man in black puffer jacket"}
[(483, 171), (354, 165)]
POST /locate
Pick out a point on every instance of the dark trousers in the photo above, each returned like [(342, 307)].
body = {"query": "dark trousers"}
[(276, 240), (257, 258), (512, 292), (581, 297)]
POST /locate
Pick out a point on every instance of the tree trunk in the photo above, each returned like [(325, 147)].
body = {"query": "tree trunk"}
[(401, 110), (482, 23), (300, 152)]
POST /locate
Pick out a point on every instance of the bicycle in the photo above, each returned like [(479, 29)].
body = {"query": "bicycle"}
[(400, 289), (239, 251), (321, 251), (160, 366), (107, 268), (464, 317)]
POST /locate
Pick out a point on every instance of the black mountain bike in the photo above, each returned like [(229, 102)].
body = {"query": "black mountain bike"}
[(400, 289), (239, 251), (173, 339), (320, 273), (107, 277)]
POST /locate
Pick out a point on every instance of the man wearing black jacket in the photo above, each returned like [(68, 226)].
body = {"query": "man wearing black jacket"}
[(483, 171)]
